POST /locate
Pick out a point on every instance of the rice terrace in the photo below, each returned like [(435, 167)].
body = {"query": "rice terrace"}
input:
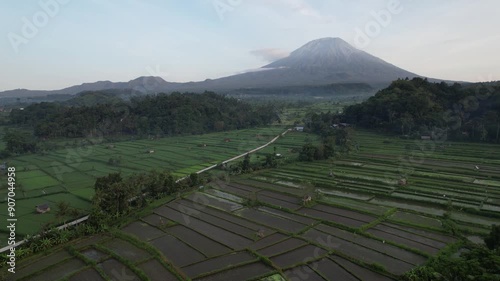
[(229, 140), (361, 224), (69, 174)]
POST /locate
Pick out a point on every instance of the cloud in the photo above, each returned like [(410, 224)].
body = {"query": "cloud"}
[(305, 9), (270, 54), (252, 70)]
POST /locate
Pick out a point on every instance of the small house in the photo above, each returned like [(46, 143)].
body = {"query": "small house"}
[(42, 209), (151, 151), (299, 128), (402, 182), (306, 199)]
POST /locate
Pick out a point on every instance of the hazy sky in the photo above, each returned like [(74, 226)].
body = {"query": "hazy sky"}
[(52, 44)]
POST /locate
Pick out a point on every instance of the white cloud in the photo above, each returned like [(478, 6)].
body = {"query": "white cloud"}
[(270, 54), (305, 9)]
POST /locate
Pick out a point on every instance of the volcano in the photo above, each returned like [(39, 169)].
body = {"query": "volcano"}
[(325, 61)]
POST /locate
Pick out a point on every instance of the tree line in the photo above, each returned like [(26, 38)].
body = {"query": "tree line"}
[(116, 196), (417, 107), (335, 140), (153, 115)]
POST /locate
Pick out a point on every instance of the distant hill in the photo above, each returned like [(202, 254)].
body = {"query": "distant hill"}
[(418, 108), (145, 84), (320, 62)]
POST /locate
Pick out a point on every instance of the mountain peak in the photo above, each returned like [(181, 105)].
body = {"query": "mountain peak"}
[(321, 52), (328, 40), (142, 79), (333, 59)]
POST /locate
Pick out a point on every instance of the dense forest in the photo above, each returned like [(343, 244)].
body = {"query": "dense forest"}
[(158, 115), (417, 107)]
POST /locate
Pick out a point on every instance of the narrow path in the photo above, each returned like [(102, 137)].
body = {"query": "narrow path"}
[(243, 155), (80, 220)]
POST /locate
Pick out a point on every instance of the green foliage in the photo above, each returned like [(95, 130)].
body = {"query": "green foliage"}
[(245, 165), (157, 115), (344, 139), (112, 195), (449, 225), (194, 179), (417, 107), (271, 160), (378, 267), (19, 142), (103, 182), (492, 241), (476, 263), (64, 209), (115, 196), (310, 152), (333, 141)]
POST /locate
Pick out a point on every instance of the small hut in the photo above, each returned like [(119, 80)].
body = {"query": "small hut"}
[(42, 209), (403, 182), (306, 199)]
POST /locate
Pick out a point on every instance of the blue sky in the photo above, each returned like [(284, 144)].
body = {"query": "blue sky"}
[(181, 40)]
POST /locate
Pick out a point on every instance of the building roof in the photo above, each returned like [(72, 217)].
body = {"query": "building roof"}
[(43, 206)]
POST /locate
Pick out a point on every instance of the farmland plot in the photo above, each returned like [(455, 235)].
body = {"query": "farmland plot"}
[(68, 175), (200, 239), (363, 225)]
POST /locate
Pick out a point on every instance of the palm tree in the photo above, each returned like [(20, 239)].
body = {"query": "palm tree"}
[(46, 243)]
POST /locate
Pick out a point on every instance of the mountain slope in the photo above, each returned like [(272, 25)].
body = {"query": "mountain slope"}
[(319, 62), (335, 60)]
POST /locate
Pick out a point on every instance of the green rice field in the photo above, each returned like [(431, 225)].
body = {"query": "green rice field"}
[(361, 223), (69, 175), (457, 179)]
